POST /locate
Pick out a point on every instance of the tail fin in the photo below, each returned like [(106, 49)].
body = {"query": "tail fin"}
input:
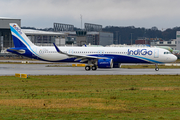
[(19, 38)]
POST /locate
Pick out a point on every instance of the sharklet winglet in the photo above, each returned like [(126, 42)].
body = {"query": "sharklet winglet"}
[(57, 49)]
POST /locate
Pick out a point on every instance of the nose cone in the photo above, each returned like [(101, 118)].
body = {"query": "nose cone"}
[(171, 58), (174, 58)]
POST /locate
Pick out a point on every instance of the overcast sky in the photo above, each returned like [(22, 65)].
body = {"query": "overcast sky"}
[(139, 13)]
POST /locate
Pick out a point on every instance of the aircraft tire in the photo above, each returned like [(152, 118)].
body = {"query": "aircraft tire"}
[(157, 69), (87, 68), (94, 67)]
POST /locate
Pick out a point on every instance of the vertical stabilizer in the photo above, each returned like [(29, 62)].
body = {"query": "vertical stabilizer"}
[(19, 38)]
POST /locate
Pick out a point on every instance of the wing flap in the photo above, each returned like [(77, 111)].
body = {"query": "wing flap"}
[(84, 60)]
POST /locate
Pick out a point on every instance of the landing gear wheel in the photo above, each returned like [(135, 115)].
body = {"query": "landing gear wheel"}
[(157, 69), (94, 67), (87, 68)]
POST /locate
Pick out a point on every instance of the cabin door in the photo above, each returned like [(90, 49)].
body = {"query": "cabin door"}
[(101, 52), (156, 53), (71, 51)]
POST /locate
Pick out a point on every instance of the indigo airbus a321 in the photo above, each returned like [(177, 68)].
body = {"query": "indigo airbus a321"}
[(94, 57)]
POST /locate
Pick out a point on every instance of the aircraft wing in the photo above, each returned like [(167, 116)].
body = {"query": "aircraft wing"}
[(78, 57)]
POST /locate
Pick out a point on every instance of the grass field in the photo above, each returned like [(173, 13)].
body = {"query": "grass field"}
[(90, 97)]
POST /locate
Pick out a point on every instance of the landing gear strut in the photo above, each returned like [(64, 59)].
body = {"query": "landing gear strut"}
[(156, 68)]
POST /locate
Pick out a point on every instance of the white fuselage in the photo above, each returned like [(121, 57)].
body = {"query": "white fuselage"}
[(147, 54)]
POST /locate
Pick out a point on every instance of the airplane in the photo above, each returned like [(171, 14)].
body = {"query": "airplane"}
[(94, 57)]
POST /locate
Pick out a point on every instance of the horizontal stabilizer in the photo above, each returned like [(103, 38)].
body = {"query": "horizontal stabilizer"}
[(19, 51)]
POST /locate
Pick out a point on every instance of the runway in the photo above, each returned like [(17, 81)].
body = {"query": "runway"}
[(41, 69)]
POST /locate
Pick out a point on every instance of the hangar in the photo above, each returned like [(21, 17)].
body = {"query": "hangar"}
[(44, 38), (5, 33)]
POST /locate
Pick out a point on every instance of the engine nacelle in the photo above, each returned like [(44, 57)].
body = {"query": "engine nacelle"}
[(105, 63)]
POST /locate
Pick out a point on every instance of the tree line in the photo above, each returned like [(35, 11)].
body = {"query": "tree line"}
[(123, 35)]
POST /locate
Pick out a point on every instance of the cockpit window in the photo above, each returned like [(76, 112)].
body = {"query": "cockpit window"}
[(167, 52)]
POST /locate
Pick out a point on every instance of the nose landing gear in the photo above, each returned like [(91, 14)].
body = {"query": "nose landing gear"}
[(156, 68)]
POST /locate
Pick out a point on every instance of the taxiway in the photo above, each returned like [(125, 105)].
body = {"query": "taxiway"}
[(42, 69)]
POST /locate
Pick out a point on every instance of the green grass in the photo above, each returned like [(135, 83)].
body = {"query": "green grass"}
[(90, 97)]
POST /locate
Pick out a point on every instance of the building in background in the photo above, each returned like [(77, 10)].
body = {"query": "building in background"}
[(92, 27), (81, 37), (99, 38), (63, 34), (91, 34), (178, 40), (143, 40), (95, 35), (43, 38), (170, 43), (5, 33), (60, 27)]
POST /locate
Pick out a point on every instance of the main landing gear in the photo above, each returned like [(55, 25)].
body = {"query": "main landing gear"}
[(87, 68), (156, 68)]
